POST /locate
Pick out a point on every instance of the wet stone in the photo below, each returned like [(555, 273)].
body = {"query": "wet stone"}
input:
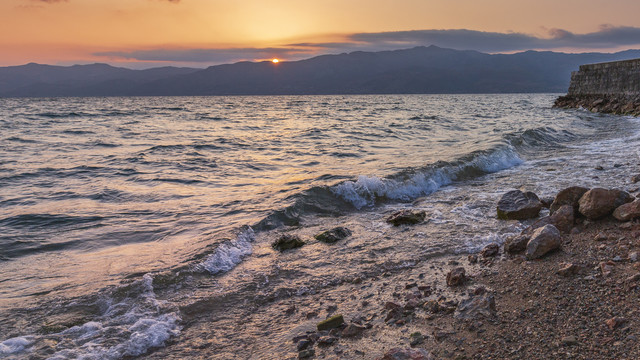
[(406, 217), (333, 235), (518, 205), (287, 242), (330, 323)]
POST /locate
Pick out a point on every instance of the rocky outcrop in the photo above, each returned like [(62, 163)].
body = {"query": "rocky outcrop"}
[(518, 205), (612, 87)]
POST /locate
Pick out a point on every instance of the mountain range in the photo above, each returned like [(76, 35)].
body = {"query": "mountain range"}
[(419, 70)]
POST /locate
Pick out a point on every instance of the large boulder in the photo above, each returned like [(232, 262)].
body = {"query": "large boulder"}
[(569, 196), (543, 240), (518, 205), (562, 219), (628, 211), (598, 202)]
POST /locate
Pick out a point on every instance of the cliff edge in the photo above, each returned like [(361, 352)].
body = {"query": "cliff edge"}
[(612, 87)]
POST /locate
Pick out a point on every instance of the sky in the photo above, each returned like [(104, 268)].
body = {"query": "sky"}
[(201, 33)]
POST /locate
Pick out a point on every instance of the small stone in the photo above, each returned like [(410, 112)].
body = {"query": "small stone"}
[(601, 237), (353, 330), (330, 323), (606, 268), (416, 339), (333, 235), (490, 250), (456, 277), (287, 242), (303, 344), (633, 257), (569, 341), (617, 259), (473, 259), (599, 168), (407, 354), (408, 217), (569, 269), (635, 178), (615, 322), (516, 244), (326, 340)]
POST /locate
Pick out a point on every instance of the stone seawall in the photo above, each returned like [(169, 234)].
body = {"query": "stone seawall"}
[(612, 87)]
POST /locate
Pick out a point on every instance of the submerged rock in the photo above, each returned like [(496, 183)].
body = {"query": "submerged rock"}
[(628, 211), (331, 323), (286, 242), (456, 277), (408, 217), (543, 240), (598, 202), (518, 205), (333, 235), (569, 196)]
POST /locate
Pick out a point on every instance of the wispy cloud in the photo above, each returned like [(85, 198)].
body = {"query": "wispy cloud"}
[(49, 1), (607, 37)]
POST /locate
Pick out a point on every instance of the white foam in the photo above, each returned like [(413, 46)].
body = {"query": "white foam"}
[(230, 253), (15, 345), (364, 191)]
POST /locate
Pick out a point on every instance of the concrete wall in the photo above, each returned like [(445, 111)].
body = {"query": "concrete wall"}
[(613, 78)]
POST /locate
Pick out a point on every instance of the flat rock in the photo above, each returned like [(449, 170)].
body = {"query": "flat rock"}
[(479, 306), (408, 217), (543, 240), (628, 211), (407, 354), (569, 196), (331, 323), (333, 235), (287, 242), (456, 277), (518, 205), (598, 202)]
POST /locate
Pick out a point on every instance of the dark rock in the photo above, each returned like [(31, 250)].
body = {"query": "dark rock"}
[(330, 323), (516, 244), (517, 205), (628, 211), (407, 354), (305, 354), (547, 201), (543, 240), (353, 330), (326, 340), (416, 339), (456, 277), (408, 217), (599, 168), (490, 250), (304, 344), (568, 341), (286, 242), (569, 196), (333, 235), (480, 306), (599, 202)]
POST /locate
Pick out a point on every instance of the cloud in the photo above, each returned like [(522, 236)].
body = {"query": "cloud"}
[(50, 1)]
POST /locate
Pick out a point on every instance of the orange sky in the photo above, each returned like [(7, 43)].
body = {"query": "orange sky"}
[(73, 31)]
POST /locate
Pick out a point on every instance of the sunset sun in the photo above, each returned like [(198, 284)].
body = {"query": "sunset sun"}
[(275, 61)]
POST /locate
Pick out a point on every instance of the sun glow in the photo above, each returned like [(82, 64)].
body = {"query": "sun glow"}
[(275, 61)]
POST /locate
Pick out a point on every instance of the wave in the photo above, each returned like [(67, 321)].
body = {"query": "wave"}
[(230, 253)]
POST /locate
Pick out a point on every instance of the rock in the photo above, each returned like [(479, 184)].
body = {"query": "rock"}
[(569, 341), (633, 257), (547, 201), (286, 242), (353, 330), (456, 277), (517, 205), (543, 240), (473, 259), (305, 354), (516, 244), (408, 217), (562, 219), (601, 237), (635, 178), (333, 235), (479, 306), (326, 340), (615, 322), (598, 202), (628, 211), (569, 270), (416, 339), (330, 323), (407, 354), (490, 250), (599, 167), (606, 267), (569, 196), (633, 278), (304, 344)]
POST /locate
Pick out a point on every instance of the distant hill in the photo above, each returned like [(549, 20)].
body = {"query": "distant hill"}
[(420, 70)]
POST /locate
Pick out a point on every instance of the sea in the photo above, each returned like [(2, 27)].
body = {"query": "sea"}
[(142, 226)]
